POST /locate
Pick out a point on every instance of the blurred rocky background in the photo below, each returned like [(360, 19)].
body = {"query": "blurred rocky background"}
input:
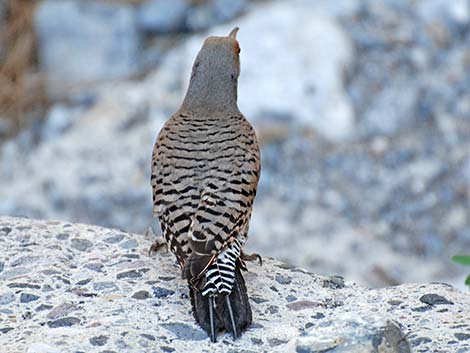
[(362, 108)]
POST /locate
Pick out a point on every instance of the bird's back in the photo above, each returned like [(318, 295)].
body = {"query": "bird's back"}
[(201, 159)]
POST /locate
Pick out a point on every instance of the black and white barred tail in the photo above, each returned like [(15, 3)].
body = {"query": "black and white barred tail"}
[(220, 276), (224, 288)]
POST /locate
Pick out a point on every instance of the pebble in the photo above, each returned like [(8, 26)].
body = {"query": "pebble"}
[(129, 274), (302, 305), (434, 299), (80, 244), (97, 267), (283, 280), (64, 322), (63, 309), (185, 332), (142, 294), (161, 292), (99, 340), (129, 244), (27, 297), (114, 239), (104, 286), (461, 336)]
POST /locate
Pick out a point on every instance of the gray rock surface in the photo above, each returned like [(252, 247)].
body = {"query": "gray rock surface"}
[(68, 32), (51, 301), (162, 16), (392, 198)]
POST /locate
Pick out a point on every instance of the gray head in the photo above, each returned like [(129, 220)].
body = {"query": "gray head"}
[(213, 83)]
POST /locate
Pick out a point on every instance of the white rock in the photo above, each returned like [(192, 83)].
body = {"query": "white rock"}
[(81, 42)]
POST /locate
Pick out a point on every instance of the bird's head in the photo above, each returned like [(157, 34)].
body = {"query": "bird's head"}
[(214, 79), (219, 56)]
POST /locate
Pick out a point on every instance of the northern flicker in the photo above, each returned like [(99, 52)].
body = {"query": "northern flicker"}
[(205, 171)]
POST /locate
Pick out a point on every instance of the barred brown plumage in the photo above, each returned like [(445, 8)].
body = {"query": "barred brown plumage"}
[(205, 171)]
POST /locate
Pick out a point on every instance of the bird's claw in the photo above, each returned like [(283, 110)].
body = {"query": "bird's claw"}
[(252, 257)]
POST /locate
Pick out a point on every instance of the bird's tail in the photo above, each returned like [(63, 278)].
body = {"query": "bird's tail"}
[(218, 312)]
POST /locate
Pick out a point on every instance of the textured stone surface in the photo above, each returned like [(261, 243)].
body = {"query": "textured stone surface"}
[(393, 203), (293, 310)]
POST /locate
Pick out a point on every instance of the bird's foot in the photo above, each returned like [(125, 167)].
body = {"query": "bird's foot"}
[(252, 257), (159, 244)]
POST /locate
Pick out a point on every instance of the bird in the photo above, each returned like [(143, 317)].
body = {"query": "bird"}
[(204, 176)]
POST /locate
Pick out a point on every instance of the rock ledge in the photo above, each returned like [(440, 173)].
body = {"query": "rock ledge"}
[(81, 288)]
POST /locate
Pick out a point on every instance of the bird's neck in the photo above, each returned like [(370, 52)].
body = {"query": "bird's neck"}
[(211, 93)]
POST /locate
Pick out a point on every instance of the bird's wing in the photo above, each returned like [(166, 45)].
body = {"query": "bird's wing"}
[(175, 193), (226, 200)]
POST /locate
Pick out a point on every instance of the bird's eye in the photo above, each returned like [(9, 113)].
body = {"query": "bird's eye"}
[(236, 48)]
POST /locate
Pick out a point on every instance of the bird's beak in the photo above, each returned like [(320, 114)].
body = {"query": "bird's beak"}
[(233, 33)]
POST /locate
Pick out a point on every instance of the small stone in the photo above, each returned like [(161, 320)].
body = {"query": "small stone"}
[(394, 302), (6, 329), (290, 298), (47, 288), (148, 336), (43, 307), (99, 340), (421, 309), (434, 299), (257, 341), (27, 297), (25, 260), (302, 305), (334, 282), (114, 239), (167, 349), (160, 292), (97, 267), (15, 272), (129, 274), (104, 285), (273, 342), (131, 256), (62, 236), (273, 309), (142, 294), (83, 282), (61, 310), (258, 300), (64, 322), (462, 336), (24, 285), (318, 316), (185, 331), (129, 244), (283, 280), (80, 244), (420, 340), (5, 230)]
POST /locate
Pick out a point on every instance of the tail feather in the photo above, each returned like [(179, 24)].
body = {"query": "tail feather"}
[(239, 304)]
